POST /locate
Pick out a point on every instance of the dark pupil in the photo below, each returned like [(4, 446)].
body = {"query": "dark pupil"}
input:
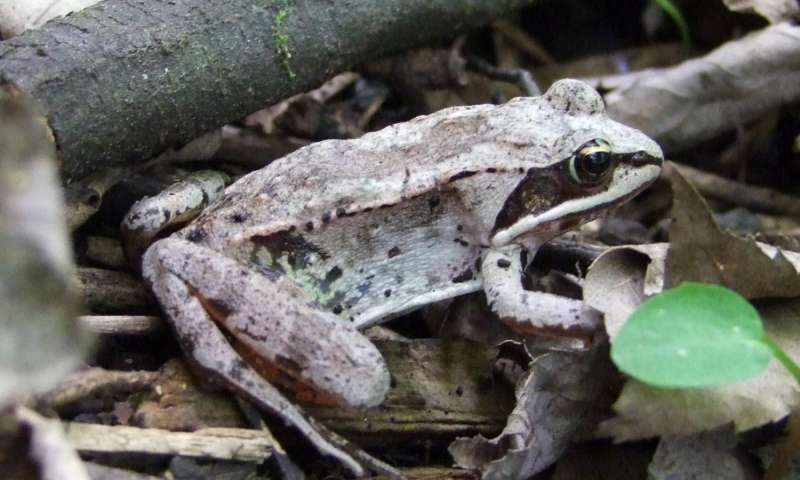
[(595, 163)]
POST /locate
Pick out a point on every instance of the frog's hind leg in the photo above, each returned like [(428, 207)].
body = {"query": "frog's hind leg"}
[(198, 287)]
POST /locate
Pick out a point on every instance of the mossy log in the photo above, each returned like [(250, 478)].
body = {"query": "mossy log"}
[(127, 79)]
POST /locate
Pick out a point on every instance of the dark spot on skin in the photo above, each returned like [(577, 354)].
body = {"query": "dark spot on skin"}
[(464, 276), (363, 289), (326, 217), (521, 170), (393, 252), (196, 235), (337, 309), (385, 205), (333, 274), (387, 293), (341, 212), (309, 226), (478, 264), (460, 175), (491, 170), (460, 228), (503, 263), (238, 217), (292, 229), (368, 209), (461, 242), (235, 371), (433, 202), (459, 391), (286, 363), (216, 308)]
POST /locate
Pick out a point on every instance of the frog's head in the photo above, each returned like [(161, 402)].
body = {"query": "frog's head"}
[(584, 165)]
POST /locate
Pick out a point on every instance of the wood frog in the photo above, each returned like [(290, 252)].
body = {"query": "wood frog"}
[(275, 278)]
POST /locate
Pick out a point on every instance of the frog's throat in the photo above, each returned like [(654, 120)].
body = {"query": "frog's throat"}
[(623, 192)]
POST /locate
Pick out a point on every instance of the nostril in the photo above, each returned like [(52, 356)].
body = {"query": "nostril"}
[(639, 158)]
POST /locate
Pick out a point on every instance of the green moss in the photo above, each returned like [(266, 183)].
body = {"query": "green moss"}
[(282, 42)]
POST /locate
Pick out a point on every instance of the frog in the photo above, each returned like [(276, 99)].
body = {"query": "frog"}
[(269, 288)]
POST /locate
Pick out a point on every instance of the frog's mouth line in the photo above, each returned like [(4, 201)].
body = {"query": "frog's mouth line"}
[(647, 172)]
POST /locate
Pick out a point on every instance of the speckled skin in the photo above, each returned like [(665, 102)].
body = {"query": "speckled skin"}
[(363, 230)]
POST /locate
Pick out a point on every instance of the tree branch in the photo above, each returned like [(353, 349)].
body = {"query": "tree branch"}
[(126, 79)]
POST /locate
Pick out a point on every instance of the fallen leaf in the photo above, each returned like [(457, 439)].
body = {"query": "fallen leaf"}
[(773, 10), (704, 455), (552, 400), (701, 251), (700, 98)]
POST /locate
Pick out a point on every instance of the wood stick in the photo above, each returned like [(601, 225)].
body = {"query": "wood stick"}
[(211, 443), (122, 324), (737, 193)]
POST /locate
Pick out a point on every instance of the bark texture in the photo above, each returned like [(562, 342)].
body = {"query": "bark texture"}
[(126, 79)]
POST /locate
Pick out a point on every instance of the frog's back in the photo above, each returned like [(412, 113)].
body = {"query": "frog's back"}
[(331, 178)]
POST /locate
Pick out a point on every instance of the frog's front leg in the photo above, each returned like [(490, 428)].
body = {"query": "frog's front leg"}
[(270, 320), (528, 311)]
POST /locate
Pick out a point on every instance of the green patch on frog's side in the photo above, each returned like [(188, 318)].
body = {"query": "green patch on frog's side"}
[(295, 257), (282, 41)]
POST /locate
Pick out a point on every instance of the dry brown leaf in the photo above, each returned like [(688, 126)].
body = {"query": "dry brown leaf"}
[(552, 400), (621, 278), (701, 251), (703, 97), (704, 455), (773, 10)]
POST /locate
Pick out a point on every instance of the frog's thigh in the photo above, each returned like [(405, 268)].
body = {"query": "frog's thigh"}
[(528, 311), (272, 321), (211, 353)]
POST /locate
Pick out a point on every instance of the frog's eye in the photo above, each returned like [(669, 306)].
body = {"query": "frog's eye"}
[(591, 162)]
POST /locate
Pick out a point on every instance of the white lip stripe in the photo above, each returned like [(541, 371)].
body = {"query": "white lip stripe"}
[(646, 174)]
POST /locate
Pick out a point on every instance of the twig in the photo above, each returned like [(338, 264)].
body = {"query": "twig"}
[(519, 76), (523, 41), (755, 198), (211, 443), (97, 382), (108, 291), (122, 324)]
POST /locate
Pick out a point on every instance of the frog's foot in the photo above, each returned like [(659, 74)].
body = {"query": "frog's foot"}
[(267, 318), (176, 206), (532, 312)]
